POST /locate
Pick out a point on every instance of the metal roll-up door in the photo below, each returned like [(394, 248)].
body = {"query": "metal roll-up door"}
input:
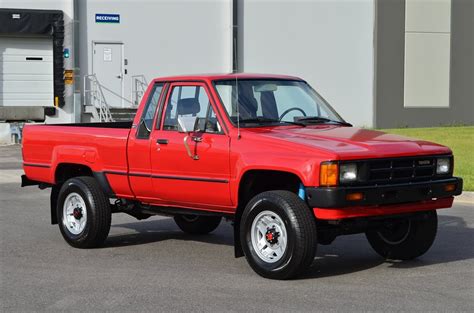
[(26, 72)]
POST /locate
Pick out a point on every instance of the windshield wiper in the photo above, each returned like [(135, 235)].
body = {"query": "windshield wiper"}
[(319, 119), (264, 120)]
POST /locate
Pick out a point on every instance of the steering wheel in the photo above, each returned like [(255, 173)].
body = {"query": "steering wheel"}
[(291, 109)]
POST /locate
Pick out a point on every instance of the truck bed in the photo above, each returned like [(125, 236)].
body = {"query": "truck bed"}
[(99, 146)]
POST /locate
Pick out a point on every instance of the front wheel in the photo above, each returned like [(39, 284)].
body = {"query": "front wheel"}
[(278, 234), (83, 212), (405, 238)]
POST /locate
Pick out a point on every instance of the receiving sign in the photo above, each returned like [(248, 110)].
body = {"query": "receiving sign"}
[(107, 18)]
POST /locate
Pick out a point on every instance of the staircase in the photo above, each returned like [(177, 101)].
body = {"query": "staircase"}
[(96, 107), (94, 100), (123, 114)]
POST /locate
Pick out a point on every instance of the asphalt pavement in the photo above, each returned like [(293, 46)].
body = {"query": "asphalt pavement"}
[(151, 266)]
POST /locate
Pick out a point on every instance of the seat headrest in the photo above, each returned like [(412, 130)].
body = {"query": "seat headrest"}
[(188, 106)]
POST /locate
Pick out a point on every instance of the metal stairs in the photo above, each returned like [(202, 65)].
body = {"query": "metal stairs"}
[(97, 108), (123, 114)]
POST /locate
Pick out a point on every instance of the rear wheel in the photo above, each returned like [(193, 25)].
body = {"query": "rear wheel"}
[(278, 234), (197, 224), (83, 212), (405, 238)]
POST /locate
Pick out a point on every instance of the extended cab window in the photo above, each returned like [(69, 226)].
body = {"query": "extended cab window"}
[(186, 104), (146, 121)]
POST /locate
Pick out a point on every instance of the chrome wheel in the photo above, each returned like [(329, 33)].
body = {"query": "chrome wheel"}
[(269, 237), (74, 213)]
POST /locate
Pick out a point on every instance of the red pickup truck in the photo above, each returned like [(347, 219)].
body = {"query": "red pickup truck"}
[(265, 151)]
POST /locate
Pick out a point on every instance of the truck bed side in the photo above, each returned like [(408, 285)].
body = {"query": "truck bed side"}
[(102, 149)]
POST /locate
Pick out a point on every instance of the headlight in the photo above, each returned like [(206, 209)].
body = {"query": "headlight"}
[(443, 166), (348, 172)]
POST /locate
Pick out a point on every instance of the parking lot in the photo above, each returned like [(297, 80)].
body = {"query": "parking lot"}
[(151, 266)]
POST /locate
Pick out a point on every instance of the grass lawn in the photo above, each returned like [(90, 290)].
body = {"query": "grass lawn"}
[(459, 139)]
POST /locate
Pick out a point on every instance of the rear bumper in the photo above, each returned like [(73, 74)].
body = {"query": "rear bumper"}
[(332, 202)]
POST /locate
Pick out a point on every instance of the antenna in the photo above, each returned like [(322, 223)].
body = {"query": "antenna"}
[(237, 88)]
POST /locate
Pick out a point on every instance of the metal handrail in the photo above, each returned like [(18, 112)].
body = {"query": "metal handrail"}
[(138, 88), (96, 97)]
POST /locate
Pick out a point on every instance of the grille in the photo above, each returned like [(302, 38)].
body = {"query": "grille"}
[(388, 171)]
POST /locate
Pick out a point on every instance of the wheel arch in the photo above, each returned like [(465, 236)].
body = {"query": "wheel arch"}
[(65, 171), (255, 181)]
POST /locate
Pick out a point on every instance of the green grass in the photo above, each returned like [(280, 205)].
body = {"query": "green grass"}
[(459, 139)]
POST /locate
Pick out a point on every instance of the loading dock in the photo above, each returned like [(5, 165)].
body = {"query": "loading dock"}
[(31, 63)]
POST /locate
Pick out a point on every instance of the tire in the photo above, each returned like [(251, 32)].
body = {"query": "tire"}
[(86, 223), (281, 215), (405, 239), (197, 224)]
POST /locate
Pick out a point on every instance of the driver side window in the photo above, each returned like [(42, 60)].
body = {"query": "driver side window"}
[(185, 105)]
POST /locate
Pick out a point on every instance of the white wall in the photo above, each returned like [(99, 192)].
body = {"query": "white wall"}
[(161, 37), (327, 43), (66, 113)]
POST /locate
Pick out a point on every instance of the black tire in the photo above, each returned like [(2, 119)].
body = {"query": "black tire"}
[(405, 238), (98, 215), (300, 228), (197, 224)]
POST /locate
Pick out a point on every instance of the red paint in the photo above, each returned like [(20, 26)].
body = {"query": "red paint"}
[(341, 213), (223, 157)]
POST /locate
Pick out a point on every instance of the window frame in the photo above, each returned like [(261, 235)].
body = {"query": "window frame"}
[(157, 108), (171, 86)]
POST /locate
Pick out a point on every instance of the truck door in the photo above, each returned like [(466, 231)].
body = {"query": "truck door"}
[(139, 143), (190, 168)]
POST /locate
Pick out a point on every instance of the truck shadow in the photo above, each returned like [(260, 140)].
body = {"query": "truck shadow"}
[(348, 254), (353, 253), (165, 229)]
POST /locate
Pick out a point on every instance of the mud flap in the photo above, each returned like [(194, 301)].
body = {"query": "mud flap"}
[(238, 252), (53, 199)]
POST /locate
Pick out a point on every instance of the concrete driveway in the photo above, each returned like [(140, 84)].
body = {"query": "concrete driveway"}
[(151, 266)]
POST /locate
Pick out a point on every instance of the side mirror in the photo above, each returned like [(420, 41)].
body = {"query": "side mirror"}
[(198, 129), (186, 124)]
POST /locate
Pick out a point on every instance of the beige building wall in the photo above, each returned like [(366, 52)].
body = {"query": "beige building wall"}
[(427, 53)]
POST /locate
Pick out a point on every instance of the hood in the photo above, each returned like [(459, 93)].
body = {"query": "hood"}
[(352, 142)]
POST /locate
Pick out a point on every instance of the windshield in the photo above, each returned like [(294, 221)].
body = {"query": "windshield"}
[(274, 102)]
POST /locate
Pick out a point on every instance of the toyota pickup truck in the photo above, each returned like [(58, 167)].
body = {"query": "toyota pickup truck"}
[(266, 152)]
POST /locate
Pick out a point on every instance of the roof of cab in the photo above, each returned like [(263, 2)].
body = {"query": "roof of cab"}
[(225, 76)]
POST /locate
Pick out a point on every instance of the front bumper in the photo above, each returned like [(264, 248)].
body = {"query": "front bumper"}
[(337, 197)]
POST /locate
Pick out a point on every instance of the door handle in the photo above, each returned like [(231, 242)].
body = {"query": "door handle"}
[(196, 139), (162, 141)]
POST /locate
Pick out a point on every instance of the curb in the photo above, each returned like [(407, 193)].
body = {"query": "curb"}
[(466, 197)]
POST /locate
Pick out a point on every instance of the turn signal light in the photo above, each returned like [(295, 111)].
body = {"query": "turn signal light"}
[(449, 187), (329, 174), (355, 196)]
